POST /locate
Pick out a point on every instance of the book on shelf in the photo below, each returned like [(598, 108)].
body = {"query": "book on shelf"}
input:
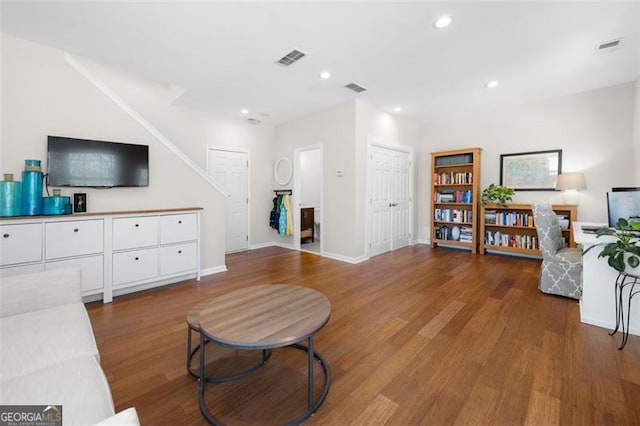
[(502, 239), (453, 178), (493, 217), (452, 160), (453, 215), (451, 196)]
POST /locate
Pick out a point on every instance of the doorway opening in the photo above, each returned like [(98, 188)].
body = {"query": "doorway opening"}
[(307, 182)]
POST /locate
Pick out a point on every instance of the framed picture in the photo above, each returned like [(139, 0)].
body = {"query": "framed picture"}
[(80, 202), (531, 171)]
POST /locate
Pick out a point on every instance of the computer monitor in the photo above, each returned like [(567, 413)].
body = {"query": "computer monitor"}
[(623, 204)]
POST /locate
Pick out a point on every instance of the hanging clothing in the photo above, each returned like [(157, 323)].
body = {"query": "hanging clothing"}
[(275, 215), (282, 222), (289, 216)]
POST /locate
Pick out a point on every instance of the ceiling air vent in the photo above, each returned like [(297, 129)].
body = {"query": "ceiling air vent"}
[(355, 87), (291, 57), (253, 121), (609, 46)]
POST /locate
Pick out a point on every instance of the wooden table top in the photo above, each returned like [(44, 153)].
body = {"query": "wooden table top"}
[(263, 316)]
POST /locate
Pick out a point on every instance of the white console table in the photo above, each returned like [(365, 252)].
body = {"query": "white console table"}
[(118, 252), (598, 303)]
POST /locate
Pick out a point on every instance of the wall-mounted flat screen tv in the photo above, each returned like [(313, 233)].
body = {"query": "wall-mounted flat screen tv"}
[(96, 164)]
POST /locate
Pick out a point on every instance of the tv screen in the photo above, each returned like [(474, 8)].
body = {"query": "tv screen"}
[(623, 204), (95, 164)]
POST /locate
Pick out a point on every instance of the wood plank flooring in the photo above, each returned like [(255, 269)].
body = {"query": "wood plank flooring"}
[(418, 336)]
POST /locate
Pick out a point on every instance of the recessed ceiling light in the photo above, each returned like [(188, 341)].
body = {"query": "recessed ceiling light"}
[(492, 84), (244, 111), (325, 75), (397, 109), (443, 22)]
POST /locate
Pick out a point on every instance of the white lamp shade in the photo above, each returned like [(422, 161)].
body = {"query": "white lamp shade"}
[(568, 181)]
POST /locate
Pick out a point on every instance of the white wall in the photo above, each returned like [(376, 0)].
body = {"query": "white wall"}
[(334, 129), (344, 131), (42, 95), (374, 125), (594, 129)]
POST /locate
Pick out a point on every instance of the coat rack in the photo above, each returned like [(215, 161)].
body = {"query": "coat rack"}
[(283, 191)]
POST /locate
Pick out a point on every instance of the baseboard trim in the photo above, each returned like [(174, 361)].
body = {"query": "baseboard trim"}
[(262, 245), (213, 270), (347, 259)]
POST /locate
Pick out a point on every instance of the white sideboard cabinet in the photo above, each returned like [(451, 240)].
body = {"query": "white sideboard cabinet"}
[(118, 252)]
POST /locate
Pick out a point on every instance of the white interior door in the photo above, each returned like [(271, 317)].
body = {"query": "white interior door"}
[(230, 170), (401, 199), (390, 199), (380, 203)]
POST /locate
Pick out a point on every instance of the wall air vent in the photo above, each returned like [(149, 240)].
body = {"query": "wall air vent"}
[(609, 46), (355, 87), (291, 57), (254, 121)]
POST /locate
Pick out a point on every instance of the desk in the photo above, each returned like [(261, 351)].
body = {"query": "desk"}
[(598, 303), (261, 317)]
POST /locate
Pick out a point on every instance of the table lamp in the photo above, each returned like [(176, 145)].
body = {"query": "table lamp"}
[(570, 183)]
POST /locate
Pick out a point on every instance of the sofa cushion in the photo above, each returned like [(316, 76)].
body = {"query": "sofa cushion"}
[(39, 290), (128, 417), (78, 384), (38, 339)]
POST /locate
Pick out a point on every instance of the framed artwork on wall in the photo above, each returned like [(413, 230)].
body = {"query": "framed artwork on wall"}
[(531, 171)]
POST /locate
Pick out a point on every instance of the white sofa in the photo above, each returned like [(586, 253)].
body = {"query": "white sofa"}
[(48, 353)]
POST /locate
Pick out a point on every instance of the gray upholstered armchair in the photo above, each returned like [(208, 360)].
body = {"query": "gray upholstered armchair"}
[(561, 271)]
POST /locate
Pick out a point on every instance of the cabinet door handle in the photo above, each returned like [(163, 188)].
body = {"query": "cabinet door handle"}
[(5, 236), (75, 230), (179, 251), (179, 221), (137, 225), (137, 258)]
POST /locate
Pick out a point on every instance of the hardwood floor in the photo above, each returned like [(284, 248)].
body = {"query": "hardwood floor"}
[(418, 336)]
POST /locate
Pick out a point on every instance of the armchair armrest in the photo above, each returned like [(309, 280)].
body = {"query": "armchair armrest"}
[(40, 290)]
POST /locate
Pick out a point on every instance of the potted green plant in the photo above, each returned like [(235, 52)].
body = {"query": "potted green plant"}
[(623, 252), (497, 194)]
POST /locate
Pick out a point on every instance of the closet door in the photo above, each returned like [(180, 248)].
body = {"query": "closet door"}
[(389, 199), (380, 202), (400, 194), (230, 170)]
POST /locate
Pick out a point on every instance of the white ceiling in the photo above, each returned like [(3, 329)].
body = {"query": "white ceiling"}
[(223, 53)]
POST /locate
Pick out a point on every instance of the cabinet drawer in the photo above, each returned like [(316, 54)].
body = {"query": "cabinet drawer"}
[(134, 265), (92, 270), (19, 270), (20, 243), (175, 228), (134, 232), (178, 258), (75, 238)]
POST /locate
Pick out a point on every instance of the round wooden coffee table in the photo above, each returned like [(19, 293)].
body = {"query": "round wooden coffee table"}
[(262, 317)]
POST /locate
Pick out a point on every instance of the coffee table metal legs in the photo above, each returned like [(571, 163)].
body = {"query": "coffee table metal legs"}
[(266, 354), (312, 404)]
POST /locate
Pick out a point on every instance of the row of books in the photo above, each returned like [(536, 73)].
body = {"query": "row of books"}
[(451, 196), (497, 238), (454, 233), (448, 178), (494, 217), (450, 160), (453, 215)]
